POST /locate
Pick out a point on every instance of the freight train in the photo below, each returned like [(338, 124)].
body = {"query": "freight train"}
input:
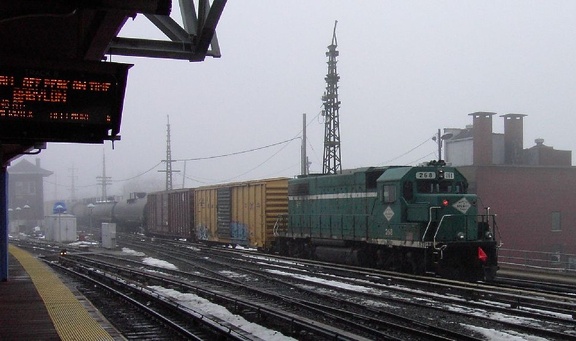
[(412, 219)]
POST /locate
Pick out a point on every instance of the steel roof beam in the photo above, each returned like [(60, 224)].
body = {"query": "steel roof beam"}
[(191, 42)]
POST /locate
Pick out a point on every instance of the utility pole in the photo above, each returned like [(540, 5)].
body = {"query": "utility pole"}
[(303, 157), (73, 185), (104, 180), (332, 157), (184, 175), (440, 139), (168, 160), (439, 146)]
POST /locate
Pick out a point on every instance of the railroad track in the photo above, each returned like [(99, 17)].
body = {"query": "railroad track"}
[(431, 300), (267, 306), (141, 314), (329, 305), (546, 315), (542, 281)]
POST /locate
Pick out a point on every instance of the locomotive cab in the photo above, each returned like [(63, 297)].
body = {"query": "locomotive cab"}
[(434, 212)]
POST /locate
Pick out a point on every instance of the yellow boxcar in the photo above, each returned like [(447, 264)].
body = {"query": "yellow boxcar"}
[(241, 213)]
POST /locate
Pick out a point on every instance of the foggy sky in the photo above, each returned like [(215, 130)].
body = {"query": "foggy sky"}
[(407, 68)]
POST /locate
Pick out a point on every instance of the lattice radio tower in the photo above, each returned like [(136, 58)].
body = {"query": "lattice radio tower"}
[(332, 157), (168, 160)]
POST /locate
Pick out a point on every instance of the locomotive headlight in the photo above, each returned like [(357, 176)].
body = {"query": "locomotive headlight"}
[(460, 235), (488, 235), (441, 174)]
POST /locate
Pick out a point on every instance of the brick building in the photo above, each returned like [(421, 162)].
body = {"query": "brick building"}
[(26, 195), (530, 189)]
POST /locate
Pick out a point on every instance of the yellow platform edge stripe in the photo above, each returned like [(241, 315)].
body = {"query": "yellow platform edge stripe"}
[(71, 320)]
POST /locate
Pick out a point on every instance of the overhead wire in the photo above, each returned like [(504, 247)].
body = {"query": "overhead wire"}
[(236, 153), (285, 142), (422, 158), (406, 153), (139, 175), (263, 162)]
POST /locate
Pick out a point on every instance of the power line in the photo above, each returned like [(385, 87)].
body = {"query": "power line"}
[(263, 162), (422, 158), (139, 175), (406, 153), (237, 153)]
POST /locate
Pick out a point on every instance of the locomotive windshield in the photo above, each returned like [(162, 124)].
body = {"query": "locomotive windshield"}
[(435, 186)]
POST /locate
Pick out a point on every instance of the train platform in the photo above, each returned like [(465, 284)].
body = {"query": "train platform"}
[(35, 304)]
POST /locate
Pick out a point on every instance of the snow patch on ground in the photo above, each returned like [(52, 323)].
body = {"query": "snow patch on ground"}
[(159, 263), (510, 335), (207, 308), (133, 252)]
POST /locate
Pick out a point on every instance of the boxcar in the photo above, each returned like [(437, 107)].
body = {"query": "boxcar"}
[(242, 213), (170, 214)]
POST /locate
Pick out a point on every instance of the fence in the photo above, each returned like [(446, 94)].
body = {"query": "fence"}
[(556, 261)]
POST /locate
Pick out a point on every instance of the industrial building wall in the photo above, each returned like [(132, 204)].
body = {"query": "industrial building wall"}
[(459, 153), (535, 205)]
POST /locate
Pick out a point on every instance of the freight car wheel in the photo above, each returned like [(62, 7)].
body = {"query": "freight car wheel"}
[(300, 248), (264, 250)]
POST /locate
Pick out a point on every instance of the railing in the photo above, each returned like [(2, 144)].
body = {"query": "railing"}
[(480, 225), (555, 261)]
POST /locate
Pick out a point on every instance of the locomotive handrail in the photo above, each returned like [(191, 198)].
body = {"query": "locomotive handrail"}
[(456, 215), (490, 219), (430, 222), (276, 224), (438, 229)]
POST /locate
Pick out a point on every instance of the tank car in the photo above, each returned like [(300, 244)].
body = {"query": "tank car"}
[(411, 219), (129, 214), (126, 214)]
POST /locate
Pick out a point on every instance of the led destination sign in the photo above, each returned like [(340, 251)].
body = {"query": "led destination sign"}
[(57, 102)]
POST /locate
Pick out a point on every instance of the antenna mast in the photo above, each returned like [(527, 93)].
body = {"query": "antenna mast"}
[(332, 157)]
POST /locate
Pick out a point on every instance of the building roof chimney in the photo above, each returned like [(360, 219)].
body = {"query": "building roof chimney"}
[(482, 135), (513, 138)]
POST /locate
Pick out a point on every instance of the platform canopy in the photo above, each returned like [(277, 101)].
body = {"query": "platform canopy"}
[(36, 35)]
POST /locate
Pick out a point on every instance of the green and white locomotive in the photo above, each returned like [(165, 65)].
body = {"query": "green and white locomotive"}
[(410, 219)]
